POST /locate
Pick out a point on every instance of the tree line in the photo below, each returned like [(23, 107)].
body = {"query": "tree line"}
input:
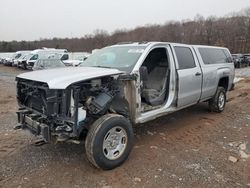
[(231, 31)]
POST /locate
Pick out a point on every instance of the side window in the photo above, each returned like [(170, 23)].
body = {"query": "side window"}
[(185, 57), (213, 55), (65, 57)]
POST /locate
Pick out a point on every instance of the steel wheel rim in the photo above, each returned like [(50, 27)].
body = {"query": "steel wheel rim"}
[(221, 100), (115, 143)]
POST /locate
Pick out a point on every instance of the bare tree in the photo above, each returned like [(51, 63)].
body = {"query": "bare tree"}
[(232, 31)]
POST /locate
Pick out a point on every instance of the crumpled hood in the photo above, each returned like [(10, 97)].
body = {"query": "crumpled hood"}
[(61, 78)]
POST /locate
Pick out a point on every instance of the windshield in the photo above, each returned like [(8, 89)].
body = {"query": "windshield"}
[(27, 56), (17, 56), (34, 57), (120, 57), (23, 55)]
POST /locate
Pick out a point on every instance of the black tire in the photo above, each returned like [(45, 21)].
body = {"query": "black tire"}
[(215, 104), (95, 140)]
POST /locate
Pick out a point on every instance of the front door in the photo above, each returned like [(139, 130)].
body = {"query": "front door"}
[(189, 76)]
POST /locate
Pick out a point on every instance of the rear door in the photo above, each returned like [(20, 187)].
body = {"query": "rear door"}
[(189, 75), (213, 61)]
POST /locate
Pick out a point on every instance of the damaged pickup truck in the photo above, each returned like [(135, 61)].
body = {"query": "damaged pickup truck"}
[(118, 87)]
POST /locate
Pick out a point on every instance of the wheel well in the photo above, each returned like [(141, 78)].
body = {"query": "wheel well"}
[(224, 83)]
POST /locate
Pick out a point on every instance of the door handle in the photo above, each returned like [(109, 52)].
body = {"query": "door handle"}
[(197, 74)]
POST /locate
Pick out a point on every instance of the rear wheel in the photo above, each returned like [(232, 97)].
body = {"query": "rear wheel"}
[(218, 102), (109, 141)]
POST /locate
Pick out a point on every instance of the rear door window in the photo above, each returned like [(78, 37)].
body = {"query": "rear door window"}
[(214, 55), (185, 57)]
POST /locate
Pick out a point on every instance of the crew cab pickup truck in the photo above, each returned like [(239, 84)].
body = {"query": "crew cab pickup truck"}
[(118, 87)]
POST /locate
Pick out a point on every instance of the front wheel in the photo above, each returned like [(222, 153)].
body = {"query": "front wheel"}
[(109, 141), (218, 102)]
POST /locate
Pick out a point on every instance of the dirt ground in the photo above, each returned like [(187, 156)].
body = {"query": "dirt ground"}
[(190, 148)]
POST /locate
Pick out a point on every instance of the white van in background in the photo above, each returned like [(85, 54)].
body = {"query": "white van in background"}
[(44, 53), (76, 58), (19, 56), (10, 61)]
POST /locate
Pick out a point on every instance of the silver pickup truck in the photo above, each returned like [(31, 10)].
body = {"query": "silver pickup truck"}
[(118, 87)]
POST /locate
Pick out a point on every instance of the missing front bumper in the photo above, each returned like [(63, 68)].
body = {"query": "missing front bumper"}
[(25, 118)]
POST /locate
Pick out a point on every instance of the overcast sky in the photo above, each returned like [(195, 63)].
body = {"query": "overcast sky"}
[(35, 19)]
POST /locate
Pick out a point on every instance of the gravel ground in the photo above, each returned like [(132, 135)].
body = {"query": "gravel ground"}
[(190, 148)]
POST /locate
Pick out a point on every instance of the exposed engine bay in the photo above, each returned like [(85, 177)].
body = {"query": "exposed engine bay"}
[(64, 114)]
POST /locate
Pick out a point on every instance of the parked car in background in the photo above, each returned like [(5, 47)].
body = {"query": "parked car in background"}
[(10, 60), (117, 87), (247, 59), (63, 56), (7, 61), (239, 60), (5, 56), (48, 64), (22, 62), (76, 58), (1, 60), (20, 55), (43, 54)]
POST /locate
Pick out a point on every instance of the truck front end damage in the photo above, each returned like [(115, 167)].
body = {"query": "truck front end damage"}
[(66, 114)]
